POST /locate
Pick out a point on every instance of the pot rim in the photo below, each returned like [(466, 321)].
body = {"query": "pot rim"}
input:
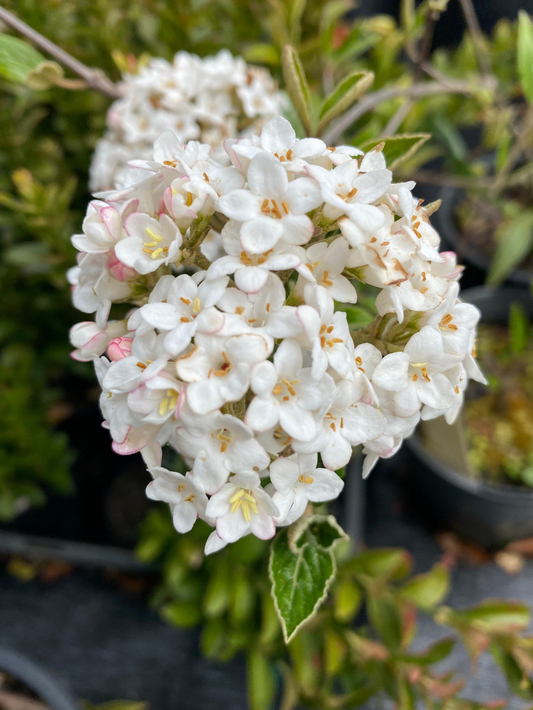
[(498, 492), (446, 225)]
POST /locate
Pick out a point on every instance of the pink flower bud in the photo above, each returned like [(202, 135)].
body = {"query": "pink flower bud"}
[(119, 270), (119, 348)]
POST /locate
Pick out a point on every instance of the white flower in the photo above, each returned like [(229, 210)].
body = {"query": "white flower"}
[(181, 307), (151, 242), (184, 494), (219, 444), (251, 270), (326, 263), (416, 375), (218, 369), (348, 422), (297, 480), (90, 340), (147, 359), (242, 506), (287, 393), (272, 208)]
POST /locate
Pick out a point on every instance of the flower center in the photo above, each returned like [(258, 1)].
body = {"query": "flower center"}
[(224, 436), (284, 158), (446, 323), (305, 479), (349, 195), (152, 247), (224, 368), (270, 207), (324, 340), (248, 260), (244, 499), (278, 389), (170, 401)]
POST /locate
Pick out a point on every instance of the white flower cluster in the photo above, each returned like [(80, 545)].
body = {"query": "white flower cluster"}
[(208, 99), (235, 354)]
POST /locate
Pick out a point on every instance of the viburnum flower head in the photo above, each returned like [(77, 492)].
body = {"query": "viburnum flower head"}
[(227, 323)]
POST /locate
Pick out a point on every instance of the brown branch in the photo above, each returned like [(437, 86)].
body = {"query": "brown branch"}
[(415, 91), (94, 78), (477, 36)]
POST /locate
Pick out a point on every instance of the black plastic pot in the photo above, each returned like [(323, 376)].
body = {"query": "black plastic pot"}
[(490, 515), (37, 680), (445, 222)]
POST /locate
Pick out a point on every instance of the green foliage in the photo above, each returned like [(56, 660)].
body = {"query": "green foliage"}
[(17, 58), (302, 567), (515, 238), (297, 87), (343, 96), (525, 54), (356, 646)]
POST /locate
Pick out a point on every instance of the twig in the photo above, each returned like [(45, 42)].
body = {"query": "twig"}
[(367, 103), (95, 78), (477, 36), (421, 60)]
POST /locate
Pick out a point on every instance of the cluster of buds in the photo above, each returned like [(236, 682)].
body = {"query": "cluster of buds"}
[(238, 352), (209, 99)]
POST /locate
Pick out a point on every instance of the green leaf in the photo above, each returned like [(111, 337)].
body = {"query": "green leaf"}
[(433, 654), (515, 238), (262, 54), (45, 75), (260, 679), (388, 563), (519, 683), (525, 54), (242, 597), (217, 594), (427, 590), (297, 87), (347, 599), (398, 149), (17, 58), (302, 567), (343, 95), (492, 616), (386, 619), (182, 614), (519, 329)]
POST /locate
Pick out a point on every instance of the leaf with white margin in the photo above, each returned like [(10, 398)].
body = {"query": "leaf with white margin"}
[(302, 568)]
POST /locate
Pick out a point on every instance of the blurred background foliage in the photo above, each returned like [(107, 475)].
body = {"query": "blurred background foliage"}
[(47, 138)]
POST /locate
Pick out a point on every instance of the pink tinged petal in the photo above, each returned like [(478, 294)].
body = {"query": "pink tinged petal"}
[(266, 177), (264, 377), (111, 218), (297, 229), (261, 234), (297, 422), (136, 440), (278, 135), (284, 473), (391, 372), (251, 279), (326, 486), (232, 526), (119, 348), (262, 526), (337, 452), (240, 205)]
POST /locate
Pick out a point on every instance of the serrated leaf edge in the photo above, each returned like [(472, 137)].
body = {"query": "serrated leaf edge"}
[(302, 526)]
